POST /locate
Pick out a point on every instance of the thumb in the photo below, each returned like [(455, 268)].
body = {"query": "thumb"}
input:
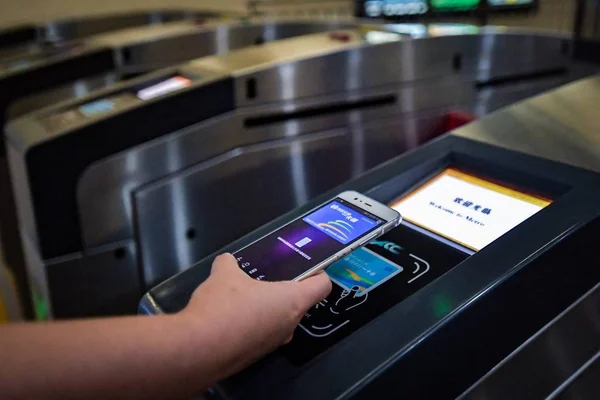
[(314, 289), (225, 262)]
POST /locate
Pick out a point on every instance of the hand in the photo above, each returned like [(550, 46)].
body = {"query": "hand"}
[(231, 321), (250, 318)]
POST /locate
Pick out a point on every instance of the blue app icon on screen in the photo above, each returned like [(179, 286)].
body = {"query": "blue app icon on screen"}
[(342, 223)]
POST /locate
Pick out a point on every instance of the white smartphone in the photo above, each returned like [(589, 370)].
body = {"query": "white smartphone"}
[(317, 239)]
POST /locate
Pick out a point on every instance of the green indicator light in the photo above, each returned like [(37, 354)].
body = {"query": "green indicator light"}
[(441, 306), (40, 307), (460, 5)]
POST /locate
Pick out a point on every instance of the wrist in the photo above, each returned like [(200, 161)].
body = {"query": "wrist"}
[(210, 350)]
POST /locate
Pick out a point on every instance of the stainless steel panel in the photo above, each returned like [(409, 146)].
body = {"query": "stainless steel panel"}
[(168, 195), (104, 188), (36, 278), (549, 359), (110, 181), (215, 38), (145, 34), (186, 216), (74, 90), (584, 384), (275, 53), (494, 97), (22, 51), (489, 100), (561, 125), (55, 32), (22, 194), (103, 281), (38, 56), (141, 50), (59, 31), (294, 69)]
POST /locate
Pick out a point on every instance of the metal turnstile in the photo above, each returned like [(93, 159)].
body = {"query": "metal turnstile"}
[(516, 318), (561, 361), (17, 39), (149, 190), (104, 60), (23, 40), (140, 50)]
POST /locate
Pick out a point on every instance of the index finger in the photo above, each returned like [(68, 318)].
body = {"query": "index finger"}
[(315, 289)]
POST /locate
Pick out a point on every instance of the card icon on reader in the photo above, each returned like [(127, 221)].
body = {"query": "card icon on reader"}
[(363, 268)]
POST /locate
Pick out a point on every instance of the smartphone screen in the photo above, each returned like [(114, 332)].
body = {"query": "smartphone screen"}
[(302, 244)]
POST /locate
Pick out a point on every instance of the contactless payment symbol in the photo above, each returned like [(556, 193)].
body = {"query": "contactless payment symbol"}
[(327, 316)]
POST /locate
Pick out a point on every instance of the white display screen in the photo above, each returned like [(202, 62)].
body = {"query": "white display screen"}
[(468, 210), (164, 87)]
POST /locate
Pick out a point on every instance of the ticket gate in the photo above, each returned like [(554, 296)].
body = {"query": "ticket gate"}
[(16, 38), (133, 52), (35, 38), (152, 163), (489, 287), (104, 60)]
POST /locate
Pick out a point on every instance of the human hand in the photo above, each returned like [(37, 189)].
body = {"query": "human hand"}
[(249, 318), (231, 321)]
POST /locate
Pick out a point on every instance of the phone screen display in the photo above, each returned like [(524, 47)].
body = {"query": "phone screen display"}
[(466, 209), (304, 243)]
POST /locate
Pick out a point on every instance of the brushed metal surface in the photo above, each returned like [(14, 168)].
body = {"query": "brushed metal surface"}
[(293, 69), (104, 281), (584, 384), (18, 63), (24, 51), (140, 50), (169, 194), (396, 63), (185, 216), (48, 34), (549, 358), (561, 125), (110, 181), (144, 34), (78, 88), (416, 339), (63, 30), (272, 54), (214, 38), (493, 98)]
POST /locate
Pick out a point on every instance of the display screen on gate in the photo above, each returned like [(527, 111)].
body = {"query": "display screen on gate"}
[(467, 209)]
